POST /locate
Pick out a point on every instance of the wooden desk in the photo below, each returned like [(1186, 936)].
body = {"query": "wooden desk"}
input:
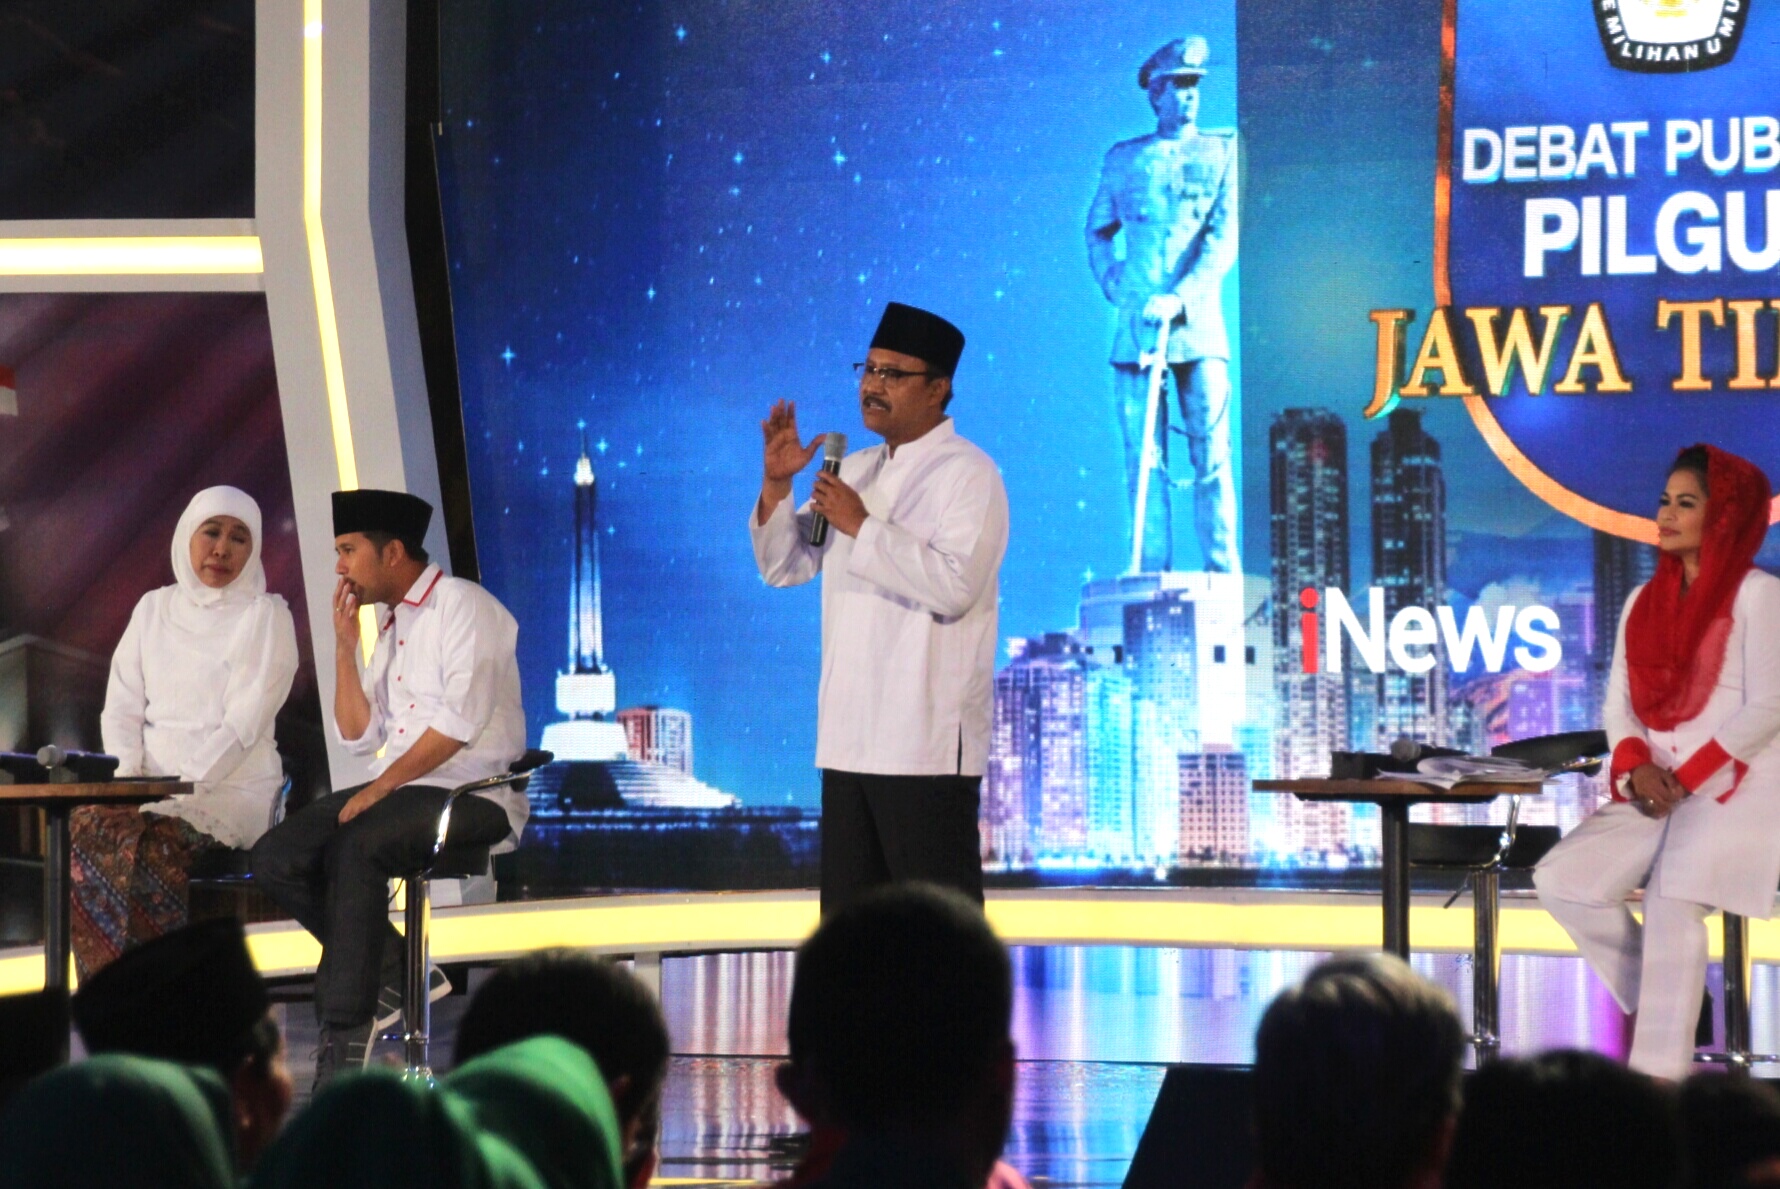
[(1393, 798), (58, 801)]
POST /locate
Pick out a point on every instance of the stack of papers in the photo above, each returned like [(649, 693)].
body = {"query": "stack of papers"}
[(1447, 771)]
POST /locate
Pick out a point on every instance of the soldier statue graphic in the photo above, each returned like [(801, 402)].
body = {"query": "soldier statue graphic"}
[(1170, 197)]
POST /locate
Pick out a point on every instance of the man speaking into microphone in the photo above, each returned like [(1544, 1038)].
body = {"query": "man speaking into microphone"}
[(916, 531)]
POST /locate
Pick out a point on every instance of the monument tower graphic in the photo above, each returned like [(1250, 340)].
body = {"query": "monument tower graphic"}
[(587, 691), (599, 764)]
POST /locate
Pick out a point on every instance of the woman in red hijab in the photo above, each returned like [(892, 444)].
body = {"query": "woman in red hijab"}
[(1692, 712)]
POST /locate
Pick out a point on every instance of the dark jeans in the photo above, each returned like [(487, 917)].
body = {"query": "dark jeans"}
[(335, 880), (882, 829)]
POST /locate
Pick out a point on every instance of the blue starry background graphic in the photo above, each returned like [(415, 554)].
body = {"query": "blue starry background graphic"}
[(662, 218)]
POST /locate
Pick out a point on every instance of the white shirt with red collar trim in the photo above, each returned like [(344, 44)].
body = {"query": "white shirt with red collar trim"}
[(445, 659), (909, 608)]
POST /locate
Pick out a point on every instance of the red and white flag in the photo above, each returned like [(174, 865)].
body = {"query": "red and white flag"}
[(9, 392)]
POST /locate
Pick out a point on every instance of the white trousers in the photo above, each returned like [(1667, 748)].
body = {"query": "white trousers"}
[(1657, 969)]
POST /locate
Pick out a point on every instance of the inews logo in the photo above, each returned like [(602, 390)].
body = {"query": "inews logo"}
[(1414, 632)]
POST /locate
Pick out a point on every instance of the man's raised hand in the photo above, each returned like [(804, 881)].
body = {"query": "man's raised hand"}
[(785, 455), (345, 615)]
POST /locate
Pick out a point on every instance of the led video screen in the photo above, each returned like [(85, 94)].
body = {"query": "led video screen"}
[(1442, 293)]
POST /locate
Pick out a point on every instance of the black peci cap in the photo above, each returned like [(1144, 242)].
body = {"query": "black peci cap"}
[(192, 995), (370, 511), (928, 337)]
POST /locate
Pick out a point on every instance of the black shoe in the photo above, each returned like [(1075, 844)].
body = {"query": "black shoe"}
[(342, 1048)]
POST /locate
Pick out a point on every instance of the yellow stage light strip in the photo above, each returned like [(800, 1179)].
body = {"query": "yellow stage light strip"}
[(733, 921), (163, 255), (333, 371)]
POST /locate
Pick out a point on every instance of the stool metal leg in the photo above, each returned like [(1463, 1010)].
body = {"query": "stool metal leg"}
[(1736, 983), (417, 1008), (1486, 964), (1737, 1054)]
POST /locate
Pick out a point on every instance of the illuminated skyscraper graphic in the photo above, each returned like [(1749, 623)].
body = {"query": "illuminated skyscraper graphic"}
[(1106, 694), (1214, 818), (658, 734), (1308, 526), (1003, 837), (1167, 662), (1409, 562), (1307, 520), (587, 692), (1620, 567), (1254, 735), (1160, 658), (1036, 800)]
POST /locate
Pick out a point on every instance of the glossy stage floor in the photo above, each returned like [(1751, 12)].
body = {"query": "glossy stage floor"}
[(1096, 1028)]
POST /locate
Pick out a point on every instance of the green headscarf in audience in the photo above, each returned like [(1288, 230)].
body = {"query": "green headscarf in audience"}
[(546, 1098), (118, 1120), (533, 1115)]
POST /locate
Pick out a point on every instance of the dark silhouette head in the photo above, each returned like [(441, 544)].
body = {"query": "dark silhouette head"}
[(899, 1024), (1568, 1119), (1356, 1078)]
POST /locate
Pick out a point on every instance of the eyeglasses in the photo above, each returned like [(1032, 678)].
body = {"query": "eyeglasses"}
[(889, 375)]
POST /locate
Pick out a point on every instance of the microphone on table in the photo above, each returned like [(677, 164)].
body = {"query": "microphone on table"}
[(87, 767), (1408, 751), (834, 448)]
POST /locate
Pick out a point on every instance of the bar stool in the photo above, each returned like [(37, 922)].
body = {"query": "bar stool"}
[(1483, 853), (444, 862), (1737, 1054)]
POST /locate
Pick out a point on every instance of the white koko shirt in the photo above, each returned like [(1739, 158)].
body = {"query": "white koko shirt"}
[(445, 659), (909, 609)]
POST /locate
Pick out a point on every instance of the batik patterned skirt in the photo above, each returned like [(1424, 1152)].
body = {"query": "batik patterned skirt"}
[(131, 872)]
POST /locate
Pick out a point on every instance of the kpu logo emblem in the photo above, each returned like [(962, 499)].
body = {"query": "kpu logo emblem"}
[(1670, 36)]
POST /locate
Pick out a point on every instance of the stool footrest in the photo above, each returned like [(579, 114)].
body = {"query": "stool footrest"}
[(1736, 1060)]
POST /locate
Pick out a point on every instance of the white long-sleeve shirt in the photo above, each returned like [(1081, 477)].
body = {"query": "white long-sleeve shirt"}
[(1742, 717), (1722, 844), (445, 659), (909, 608), (199, 704)]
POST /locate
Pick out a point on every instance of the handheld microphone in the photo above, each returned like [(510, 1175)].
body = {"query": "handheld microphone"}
[(834, 448), (1408, 751)]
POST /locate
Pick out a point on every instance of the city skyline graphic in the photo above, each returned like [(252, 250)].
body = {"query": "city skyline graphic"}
[(1132, 740)]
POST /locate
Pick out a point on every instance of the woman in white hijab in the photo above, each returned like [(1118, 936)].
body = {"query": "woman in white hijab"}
[(196, 682)]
